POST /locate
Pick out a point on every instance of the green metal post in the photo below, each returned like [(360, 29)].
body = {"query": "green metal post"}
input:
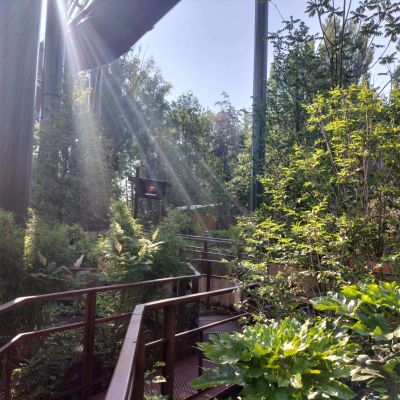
[(54, 57), (259, 99)]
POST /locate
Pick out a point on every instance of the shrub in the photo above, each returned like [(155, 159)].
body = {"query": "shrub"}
[(371, 311), (11, 257), (332, 208), (168, 257), (123, 252), (282, 360), (49, 249)]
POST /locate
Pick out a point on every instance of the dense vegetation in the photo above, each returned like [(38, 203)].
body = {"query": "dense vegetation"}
[(327, 231), (324, 247)]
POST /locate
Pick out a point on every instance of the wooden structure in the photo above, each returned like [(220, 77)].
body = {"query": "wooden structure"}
[(128, 377), (151, 189)]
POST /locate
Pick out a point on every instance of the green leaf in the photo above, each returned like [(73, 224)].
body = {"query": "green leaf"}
[(296, 381), (205, 382), (337, 389)]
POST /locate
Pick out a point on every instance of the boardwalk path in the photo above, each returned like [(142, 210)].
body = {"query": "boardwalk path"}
[(186, 370)]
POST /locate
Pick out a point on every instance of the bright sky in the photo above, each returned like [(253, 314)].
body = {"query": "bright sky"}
[(207, 46)]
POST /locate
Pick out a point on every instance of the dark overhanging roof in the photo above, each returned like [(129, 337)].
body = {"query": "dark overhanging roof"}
[(106, 29)]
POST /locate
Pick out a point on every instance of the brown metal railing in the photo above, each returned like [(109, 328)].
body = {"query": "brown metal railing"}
[(205, 281), (88, 324), (207, 260), (128, 379)]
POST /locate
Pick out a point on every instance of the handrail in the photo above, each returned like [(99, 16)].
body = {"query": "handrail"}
[(128, 377), (56, 329), (90, 320), (206, 238), (88, 324), (190, 298), (20, 301), (210, 253)]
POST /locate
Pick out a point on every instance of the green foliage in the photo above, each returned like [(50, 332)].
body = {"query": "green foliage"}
[(49, 250), (48, 371), (333, 209), (356, 349), (122, 216), (167, 258), (121, 262), (371, 311), (126, 255), (70, 173), (11, 256), (283, 360), (373, 308)]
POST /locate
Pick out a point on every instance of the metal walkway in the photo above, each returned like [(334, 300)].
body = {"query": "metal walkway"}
[(187, 370)]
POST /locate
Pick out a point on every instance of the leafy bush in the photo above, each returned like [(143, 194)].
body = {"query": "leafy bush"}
[(11, 257), (49, 250), (123, 252), (168, 257), (371, 311), (56, 364), (283, 360), (331, 210)]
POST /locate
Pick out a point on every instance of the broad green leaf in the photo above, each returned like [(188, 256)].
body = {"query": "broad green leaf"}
[(296, 381)]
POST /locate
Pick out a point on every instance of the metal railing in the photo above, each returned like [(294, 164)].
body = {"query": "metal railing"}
[(128, 381), (207, 259), (88, 324)]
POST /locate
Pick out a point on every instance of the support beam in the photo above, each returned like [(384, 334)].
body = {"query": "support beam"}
[(19, 42), (54, 57), (259, 99)]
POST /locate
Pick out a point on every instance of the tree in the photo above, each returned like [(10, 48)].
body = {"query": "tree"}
[(333, 209), (71, 180), (226, 136), (349, 35)]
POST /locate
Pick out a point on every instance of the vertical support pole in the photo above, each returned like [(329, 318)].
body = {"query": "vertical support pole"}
[(132, 203), (259, 98), (208, 283), (200, 355), (195, 289), (207, 268), (88, 345), (19, 45), (181, 308), (167, 388), (54, 57), (136, 202), (8, 373), (138, 390)]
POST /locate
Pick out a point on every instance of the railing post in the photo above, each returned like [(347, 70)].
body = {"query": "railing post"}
[(207, 268), (181, 308), (195, 289), (167, 388), (88, 345), (138, 390), (8, 373), (200, 353)]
